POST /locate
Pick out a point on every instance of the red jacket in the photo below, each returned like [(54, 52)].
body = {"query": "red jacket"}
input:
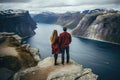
[(65, 39), (56, 46)]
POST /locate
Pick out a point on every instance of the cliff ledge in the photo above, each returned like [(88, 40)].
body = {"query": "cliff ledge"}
[(45, 70)]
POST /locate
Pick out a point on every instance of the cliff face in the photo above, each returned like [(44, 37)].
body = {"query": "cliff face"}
[(97, 24), (18, 21), (83, 25), (70, 20), (100, 26), (15, 56)]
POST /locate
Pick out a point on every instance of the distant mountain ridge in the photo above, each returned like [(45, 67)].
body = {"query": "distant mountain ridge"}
[(100, 24), (46, 17), (17, 21)]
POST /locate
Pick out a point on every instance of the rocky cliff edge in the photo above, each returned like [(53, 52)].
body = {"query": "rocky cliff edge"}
[(45, 70), (15, 56), (20, 62)]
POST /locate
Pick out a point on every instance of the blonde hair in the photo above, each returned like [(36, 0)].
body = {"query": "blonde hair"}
[(53, 36)]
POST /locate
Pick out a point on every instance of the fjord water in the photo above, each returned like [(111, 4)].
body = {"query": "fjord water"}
[(103, 58)]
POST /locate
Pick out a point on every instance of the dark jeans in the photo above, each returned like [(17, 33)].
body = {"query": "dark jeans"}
[(66, 49), (55, 58)]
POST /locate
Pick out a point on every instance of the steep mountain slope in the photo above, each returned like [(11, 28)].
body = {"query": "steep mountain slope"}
[(101, 26), (18, 21), (70, 20)]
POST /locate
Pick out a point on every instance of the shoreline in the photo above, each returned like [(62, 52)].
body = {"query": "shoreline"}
[(96, 40)]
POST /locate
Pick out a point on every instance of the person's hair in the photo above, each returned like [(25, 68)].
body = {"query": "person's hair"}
[(53, 36), (64, 28)]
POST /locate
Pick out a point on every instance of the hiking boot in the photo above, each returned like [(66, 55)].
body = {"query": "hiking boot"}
[(55, 63)]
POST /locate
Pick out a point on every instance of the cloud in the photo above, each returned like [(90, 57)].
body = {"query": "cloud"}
[(60, 5), (65, 3), (7, 1), (91, 2), (116, 1)]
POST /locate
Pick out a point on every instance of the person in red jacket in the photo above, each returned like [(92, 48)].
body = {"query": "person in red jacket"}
[(54, 40), (65, 40)]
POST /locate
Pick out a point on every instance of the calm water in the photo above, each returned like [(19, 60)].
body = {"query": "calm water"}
[(103, 58)]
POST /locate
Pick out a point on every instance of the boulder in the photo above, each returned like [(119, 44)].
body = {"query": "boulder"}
[(35, 54)]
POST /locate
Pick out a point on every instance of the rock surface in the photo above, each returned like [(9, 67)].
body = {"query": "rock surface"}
[(70, 20), (6, 74), (45, 70), (15, 56), (17, 21), (35, 54), (99, 26)]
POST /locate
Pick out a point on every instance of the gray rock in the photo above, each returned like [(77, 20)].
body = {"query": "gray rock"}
[(18, 38), (35, 53), (6, 74), (6, 33), (19, 74), (71, 72)]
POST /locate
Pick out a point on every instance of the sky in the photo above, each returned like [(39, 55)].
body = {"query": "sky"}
[(59, 6)]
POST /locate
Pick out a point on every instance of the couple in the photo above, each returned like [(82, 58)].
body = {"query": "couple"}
[(60, 44)]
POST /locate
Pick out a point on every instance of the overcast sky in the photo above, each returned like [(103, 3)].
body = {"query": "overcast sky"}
[(58, 5)]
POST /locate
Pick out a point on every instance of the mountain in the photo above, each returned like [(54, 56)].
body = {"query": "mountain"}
[(69, 20), (17, 21), (46, 17), (98, 11), (99, 24), (66, 19)]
